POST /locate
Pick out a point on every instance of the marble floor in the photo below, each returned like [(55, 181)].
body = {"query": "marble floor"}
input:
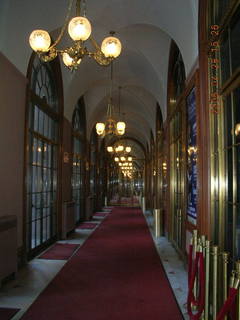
[(174, 267), (36, 275)]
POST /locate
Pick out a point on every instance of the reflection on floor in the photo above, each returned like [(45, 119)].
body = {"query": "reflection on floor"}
[(33, 278), (174, 267)]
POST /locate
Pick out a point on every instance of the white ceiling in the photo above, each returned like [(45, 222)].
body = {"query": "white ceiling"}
[(145, 29)]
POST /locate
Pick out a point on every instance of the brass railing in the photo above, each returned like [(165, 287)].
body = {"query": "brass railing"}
[(218, 277)]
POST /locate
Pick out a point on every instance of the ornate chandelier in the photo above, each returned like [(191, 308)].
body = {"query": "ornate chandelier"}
[(79, 29), (120, 148), (111, 126)]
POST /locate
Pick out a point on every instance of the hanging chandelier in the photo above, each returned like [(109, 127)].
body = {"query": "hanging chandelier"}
[(111, 126), (79, 29), (119, 149)]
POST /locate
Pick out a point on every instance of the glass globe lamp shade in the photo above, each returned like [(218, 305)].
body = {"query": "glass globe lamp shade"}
[(79, 28), (40, 40), (100, 127), (128, 149), (111, 47), (129, 158), (121, 128), (116, 159), (68, 61), (120, 164), (120, 148), (110, 149), (123, 159)]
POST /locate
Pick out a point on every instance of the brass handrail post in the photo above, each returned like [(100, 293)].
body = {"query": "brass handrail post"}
[(225, 256), (238, 296), (207, 270), (215, 279), (203, 241), (195, 248), (195, 241)]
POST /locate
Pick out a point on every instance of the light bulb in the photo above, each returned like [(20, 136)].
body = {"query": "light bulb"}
[(128, 149), (129, 158), (123, 158), (110, 149), (120, 148), (79, 28), (40, 40), (116, 159), (121, 128), (111, 47), (100, 127), (68, 61)]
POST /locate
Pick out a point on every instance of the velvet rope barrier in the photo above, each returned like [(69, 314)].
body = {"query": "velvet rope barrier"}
[(199, 301), (190, 259), (229, 303)]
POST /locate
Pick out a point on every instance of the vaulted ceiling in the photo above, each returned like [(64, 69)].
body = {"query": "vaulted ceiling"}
[(145, 29)]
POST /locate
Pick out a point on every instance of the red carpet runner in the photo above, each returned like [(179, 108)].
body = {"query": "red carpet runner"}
[(115, 275)]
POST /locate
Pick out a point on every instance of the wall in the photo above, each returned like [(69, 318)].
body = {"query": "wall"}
[(12, 118)]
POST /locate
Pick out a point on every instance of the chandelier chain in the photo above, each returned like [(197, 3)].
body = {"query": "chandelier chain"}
[(64, 27)]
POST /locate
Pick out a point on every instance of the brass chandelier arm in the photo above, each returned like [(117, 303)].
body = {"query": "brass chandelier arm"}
[(98, 55)]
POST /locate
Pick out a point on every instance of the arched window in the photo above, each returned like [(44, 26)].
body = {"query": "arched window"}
[(94, 168), (176, 156), (160, 161), (44, 109), (102, 174), (79, 159)]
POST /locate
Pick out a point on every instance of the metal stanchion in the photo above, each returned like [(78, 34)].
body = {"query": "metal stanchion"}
[(207, 271), (105, 201), (215, 280), (238, 296), (157, 222), (195, 246), (143, 205), (225, 277)]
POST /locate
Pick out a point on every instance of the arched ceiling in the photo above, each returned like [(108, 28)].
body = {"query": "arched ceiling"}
[(145, 29)]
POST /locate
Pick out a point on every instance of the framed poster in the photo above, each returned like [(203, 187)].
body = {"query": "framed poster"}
[(192, 158)]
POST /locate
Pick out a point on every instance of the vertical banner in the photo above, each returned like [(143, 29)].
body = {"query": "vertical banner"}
[(192, 158)]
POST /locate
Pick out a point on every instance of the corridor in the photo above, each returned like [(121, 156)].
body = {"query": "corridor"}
[(123, 104)]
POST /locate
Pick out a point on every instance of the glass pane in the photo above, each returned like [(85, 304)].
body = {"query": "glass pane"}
[(228, 121), (225, 59), (237, 242), (230, 175), (235, 45), (33, 235), (236, 112), (238, 172), (221, 8), (38, 232), (229, 228)]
